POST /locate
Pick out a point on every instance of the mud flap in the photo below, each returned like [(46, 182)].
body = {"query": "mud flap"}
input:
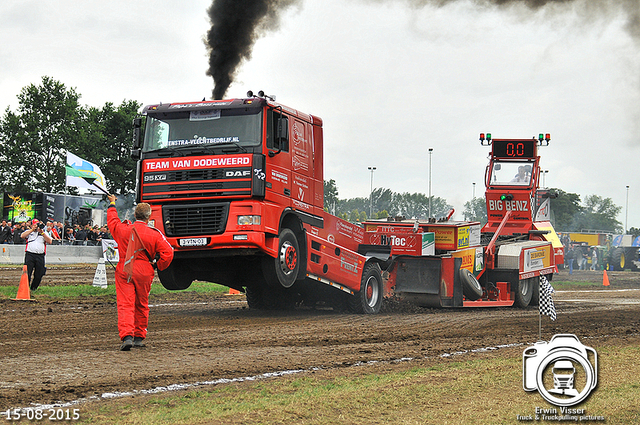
[(429, 281)]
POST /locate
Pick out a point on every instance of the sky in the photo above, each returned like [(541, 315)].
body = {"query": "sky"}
[(390, 79)]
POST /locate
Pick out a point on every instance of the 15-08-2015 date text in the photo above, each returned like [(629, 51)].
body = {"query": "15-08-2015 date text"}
[(32, 414)]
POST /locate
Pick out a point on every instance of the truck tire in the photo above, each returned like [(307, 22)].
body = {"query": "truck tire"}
[(368, 300), (618, 259), (471, 288), (524, 292), (285, 268), (255, 298), (176, 277)]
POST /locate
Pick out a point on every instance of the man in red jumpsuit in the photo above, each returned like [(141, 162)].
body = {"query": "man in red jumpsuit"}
[(140, 248)]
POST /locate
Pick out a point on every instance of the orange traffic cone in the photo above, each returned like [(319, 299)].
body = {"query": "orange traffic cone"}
[(605, 279), (23, 290), (234, 292)]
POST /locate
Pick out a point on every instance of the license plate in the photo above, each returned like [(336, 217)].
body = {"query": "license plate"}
[(193, 242)]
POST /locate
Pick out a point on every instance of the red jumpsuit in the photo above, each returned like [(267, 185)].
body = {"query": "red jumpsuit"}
[(133, 292)]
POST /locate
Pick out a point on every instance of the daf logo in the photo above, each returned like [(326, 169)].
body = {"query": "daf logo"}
[(245, 173)]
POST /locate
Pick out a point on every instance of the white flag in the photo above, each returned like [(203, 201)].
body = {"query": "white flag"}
[(110, 250), (84, 174)]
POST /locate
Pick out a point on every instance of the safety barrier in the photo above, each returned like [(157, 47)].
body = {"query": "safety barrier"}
[(56, 254)]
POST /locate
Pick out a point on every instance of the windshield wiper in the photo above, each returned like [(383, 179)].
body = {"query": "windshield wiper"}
[(163, 151), (239, 147)]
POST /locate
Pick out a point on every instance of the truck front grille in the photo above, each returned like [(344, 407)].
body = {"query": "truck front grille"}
[(196, 219)]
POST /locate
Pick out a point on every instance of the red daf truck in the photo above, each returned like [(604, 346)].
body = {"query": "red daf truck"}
[(237, 188)]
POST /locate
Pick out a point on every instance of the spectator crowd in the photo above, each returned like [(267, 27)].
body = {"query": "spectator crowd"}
[(62, 234)]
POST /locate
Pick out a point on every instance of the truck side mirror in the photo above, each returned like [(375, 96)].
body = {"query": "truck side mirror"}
[(282, 135), (137, 132), (137, 138)]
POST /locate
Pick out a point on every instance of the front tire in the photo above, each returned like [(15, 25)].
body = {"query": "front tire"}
[(176, 277), (368, 300), (285, 268)]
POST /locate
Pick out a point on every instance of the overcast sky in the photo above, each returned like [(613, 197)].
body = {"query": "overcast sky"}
[(389, 80)]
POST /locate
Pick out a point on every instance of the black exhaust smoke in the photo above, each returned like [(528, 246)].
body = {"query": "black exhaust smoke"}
[(235, 27), (586, 8), (237, 24)]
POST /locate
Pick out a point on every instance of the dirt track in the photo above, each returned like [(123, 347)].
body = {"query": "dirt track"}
[(67, 350)]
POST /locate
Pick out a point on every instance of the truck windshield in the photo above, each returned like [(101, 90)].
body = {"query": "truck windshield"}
[(511, 173), (203, 127)]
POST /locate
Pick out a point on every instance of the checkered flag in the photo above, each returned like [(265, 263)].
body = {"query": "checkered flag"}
[(546, 301)]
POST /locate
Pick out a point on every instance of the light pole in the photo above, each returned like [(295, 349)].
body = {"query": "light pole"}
[(474, 191), (544, 180), (626, 212), (372, 169), (430, 154)]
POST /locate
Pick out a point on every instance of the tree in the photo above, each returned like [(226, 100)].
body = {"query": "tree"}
[(476, 210), (384, 203), (113, 134), (566, 209), (33, 140), (416, 206), (381, 214), (382, 199), (599, 214), (348, 205), (49, 121), (330, 195)]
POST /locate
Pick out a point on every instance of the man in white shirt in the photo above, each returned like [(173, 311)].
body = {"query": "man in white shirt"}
[(37, 240)]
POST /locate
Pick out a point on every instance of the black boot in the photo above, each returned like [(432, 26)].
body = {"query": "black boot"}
[(138, 342), (127, 343)]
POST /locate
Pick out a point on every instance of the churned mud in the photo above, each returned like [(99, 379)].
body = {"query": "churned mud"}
[(63, 350)]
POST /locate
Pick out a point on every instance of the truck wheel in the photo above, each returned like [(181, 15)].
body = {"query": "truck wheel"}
[(524, 293), (369, 299), (618, 259), (175, 277), (285, 268), (471, 288)]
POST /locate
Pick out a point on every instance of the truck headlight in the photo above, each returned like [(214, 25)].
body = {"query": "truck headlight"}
[(247, 220)]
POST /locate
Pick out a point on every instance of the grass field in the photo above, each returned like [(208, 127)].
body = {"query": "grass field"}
[(73, 291), (485, 389)]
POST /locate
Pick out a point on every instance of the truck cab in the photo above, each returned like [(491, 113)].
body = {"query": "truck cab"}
[(223, 178)]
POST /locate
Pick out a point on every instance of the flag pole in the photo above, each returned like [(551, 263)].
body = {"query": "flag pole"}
[(101, 189), (540, 294), (539, 324)]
